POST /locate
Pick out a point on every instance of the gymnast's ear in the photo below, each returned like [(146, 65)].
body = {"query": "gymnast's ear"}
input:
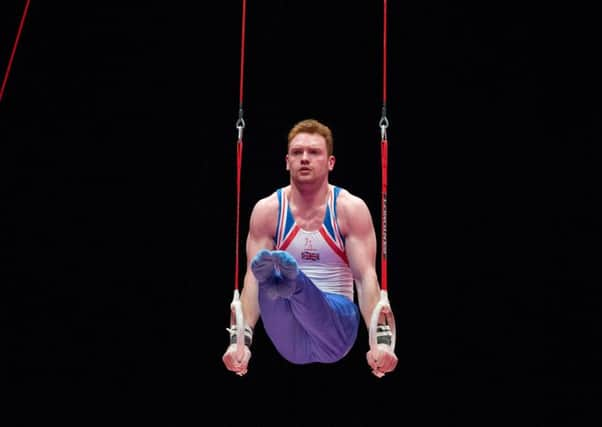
[(331, 162)]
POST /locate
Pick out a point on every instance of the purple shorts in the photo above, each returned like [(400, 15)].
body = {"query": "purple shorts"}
[(309, 325)]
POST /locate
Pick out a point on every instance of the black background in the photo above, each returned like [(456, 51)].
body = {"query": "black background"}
[(118, 159)]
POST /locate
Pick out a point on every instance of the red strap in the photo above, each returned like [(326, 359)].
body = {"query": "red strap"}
[(240, 124), (12, 53), (242, 49), (384, 159), (238, 169), (383, 260), (384, 52)]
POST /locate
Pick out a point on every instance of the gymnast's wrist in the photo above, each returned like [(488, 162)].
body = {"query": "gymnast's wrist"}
[(248, 333), (384, 335)]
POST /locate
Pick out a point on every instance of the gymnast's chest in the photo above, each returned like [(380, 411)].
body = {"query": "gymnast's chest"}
[(309, 220)]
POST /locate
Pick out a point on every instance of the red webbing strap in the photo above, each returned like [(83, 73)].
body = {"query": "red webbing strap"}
[(240, 124), (242, 51), (383, 261), (385, 52), (238, 168), (384, 153), (14, 49)]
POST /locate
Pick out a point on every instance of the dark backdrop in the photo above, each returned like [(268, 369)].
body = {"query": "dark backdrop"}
[(118, 208)]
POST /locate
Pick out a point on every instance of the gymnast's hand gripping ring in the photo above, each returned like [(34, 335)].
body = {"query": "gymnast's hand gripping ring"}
[(382, 310)]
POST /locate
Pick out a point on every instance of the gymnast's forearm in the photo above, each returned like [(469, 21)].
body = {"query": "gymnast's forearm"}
[(368, 296), (250, 301)]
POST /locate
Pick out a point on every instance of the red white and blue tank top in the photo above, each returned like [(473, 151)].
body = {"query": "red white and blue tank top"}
[(320, 253)]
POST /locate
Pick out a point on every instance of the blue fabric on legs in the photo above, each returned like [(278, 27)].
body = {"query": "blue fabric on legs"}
[(286, 264), (262, 265), (275, 271), (309, 325)]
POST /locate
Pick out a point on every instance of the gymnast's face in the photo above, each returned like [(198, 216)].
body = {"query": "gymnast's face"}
[(307, 158)]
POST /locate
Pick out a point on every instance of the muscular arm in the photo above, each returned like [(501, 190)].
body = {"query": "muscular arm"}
[(261, 229), (360, 246)]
